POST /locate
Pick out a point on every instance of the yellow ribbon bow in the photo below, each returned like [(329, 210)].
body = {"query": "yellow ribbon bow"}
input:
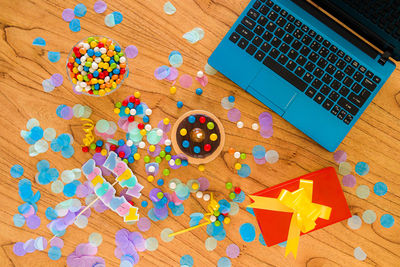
[(299, 202), (87, 128)]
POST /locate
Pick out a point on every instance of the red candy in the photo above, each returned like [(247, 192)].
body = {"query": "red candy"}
[(202, 119), (113, 147), (238, 190), (140, 126), (132, 99), (98, 149), (85, 149), (137, 102), (207, 147), (121, 154), (125, 102), (131, 118)]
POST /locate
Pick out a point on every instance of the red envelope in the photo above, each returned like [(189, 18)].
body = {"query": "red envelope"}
[(327, 191)]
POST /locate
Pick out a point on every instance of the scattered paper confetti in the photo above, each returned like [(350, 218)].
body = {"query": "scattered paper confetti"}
[(211, 243), (380, 188), (349, 180), (16, 171), (113, 19), (169, 8), (362, 191), (100, 7), (68, 14), (131, 51), (354, 222), (39, 41), (53, 56), (362, 168), (186, 260), (232, 251), (95, 239), (175, 59), (75, 25), (244, 171), (387, 220), (80, 10), (185, 81), (340, 156), (234, 115), (165, 235), (247, 232), (344, 168), (194, 35), (272, 156), (359, 254), (369, 216), (210, 70), (224, 262), (143, 224)]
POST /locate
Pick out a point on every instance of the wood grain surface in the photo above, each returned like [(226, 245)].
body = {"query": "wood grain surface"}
[(375, 138)]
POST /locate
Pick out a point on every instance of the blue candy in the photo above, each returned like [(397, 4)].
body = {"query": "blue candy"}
[(179, 104)]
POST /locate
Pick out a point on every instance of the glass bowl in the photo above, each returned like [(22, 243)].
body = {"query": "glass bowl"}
[(84, 92)]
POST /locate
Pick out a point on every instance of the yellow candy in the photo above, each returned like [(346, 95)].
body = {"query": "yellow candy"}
[(117, 110), (103, 152), (183, 131), (127, 110), (111, 47), (166, 121), (103, 56), (93, 44), (238, 166), (109, 69), (213, 137), (74, 81), (150, 178), (136, 156), (79, 77), (152, 148), (93, 81), (106, 59), (115, 52), (136, 94), (143, 132), (75, 70), (108, 90), (102, 92), (227, 220), (89, 59), (172, 90), (114, 85), (100, 81), (100, 65), (103, 40), (76, 64), (201, 168), (105, 66)]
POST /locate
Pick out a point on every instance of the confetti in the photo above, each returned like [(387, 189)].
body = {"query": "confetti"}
[(39, 41), (211, 243), (169, 8), (113, 19), (175, 59), (80, 10), (359, 254), (68, 14), (53, 56), (185, 81), (272, 156), (244, 171), (247, 232), (165, 235), (210, 70), (54, 253), (344, 168), (234, 115), (349, 180), (95, 239), (232, 251), (340, 156), (131, 51), (186, 260), (354, 222), (194, 35), (143, 224), (100, 7), (151, 244), (75, 25), (362, 191), (369, 216), (224, 262), (387, 220), (226, 103), (380, 188), (18, 249), (57, 79), (362, 168), (16, 171), (19, 220)]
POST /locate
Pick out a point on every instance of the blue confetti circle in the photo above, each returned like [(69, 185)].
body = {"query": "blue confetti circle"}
[(244, 171), (258, 152), (361, 168), (16, 171), (75, 25), (80, 10), (387, 220), (224, 262), (380, 188), (53, 56), (186, 260), (247, 232), (54, 253)]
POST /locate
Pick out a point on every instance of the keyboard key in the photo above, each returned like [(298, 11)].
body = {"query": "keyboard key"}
[(318, 72), (276, 42), (310, 67), (234, 37), (341, 53), (376, 79), (291, 18), (264, 10), (348, 119), (356, 88), (253, 14), (335, 110), (290, 28), (288, 39), (267, 36), (265, 47), (346, 105), (368, 84), (308, 77), (348, 59), (316, 84), (355, 64), (327, 104), (293, 54), (299, 71), (257, 41), (298, 23), (276, 8), (327, 78), (349, 70), (256, 4), (325, 89), (323, 52), (344, 91), (279, 32), (312, 33), (313, 57), (248, 23), (362, 69), (274, 53), (326, 43), (246, 33), (251, 49), (357, 100), (331, 69), (305, 28), (269, 3), (339, 75), (311, 92), (296, 44), (298, 34), (335, 85), (306, 39), (301, 60), (284, 48), (305, 51), (283, 59), (281, 22), (333, 48), (283, 13), (284, 73), (259, 55), (369, 74), (332, 58), (319, 38), (365, 94), (322, 63), (291, 65), (271, 26), (262, 20), (348, 81), (273, 16), (334, 96), (243, 43), (341, 64), (341, 114)]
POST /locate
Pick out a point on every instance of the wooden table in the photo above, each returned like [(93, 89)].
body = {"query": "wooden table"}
[(374, 139)]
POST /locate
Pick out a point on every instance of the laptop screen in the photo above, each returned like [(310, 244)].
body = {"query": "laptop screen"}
[(378, 21)]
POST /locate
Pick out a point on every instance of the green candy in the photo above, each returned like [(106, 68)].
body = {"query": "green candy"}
[(162, 154), (168, 157)]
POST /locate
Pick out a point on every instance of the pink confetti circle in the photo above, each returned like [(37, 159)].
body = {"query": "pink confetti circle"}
[(349, 180), (131, 51), (234, 115), (340, 156), (267, 133), (232, 251), (144, 224), (185, 81)]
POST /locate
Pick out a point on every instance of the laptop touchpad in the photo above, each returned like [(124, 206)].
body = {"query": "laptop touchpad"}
[(274, 88)]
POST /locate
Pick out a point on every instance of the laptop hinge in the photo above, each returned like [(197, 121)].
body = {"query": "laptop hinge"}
[(384, 57)]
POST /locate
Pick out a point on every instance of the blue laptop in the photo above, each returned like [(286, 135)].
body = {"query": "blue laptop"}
[(306, 67)]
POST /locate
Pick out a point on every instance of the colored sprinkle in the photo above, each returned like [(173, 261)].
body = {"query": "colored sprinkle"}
[(387, 220), (362, 191), (247, 232), (380, 188)]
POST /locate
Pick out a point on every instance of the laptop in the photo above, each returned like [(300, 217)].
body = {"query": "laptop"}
[(308, 68)]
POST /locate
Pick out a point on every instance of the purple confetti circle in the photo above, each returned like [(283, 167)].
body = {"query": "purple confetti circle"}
[(57, 242), (33, 221), (349, 180), (161, 72), (68, 14), (266, 133), (144, 224), (340, 156), (204, 183), (234, 115), (100, 7), (131, 51), (57, 79), (232, 251), (18, 249)]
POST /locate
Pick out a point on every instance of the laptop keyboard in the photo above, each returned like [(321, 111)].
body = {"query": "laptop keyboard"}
[(384, 13), (305, 59)]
